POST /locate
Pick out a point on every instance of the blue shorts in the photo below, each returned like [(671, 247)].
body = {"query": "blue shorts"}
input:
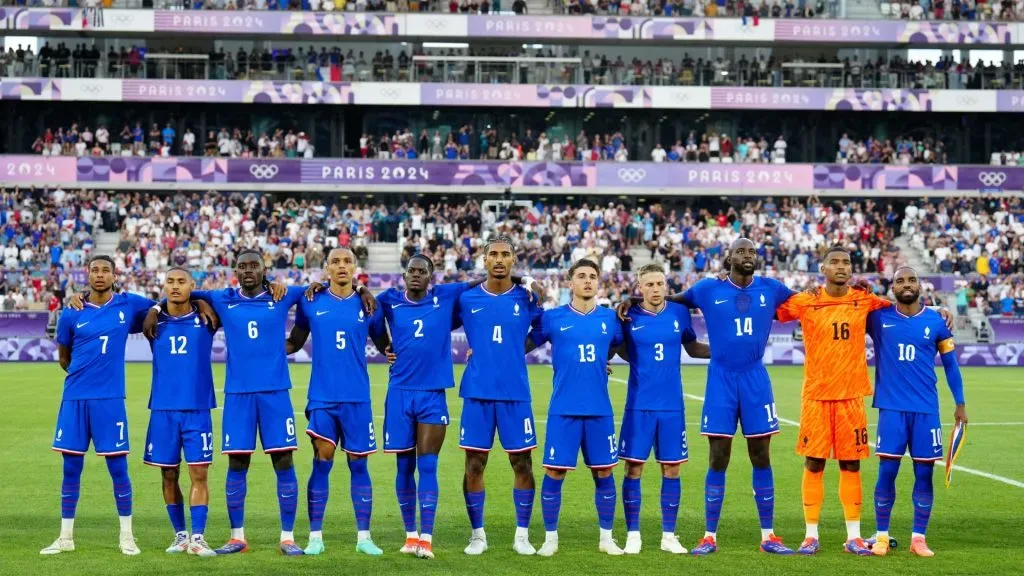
[(270, 412), (103, 421), (513, 420), (643, 429), (404, 409), (170, 431), (739, 396), (921, 433), (348, 424), (567, 435)]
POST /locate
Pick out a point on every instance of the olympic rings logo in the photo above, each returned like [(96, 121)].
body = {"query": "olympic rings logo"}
[(263, 171), (992, 179), (632, 175)]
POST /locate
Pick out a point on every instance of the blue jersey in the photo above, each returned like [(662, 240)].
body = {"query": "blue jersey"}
[(421, 336), (496, 327), (739, 320), (255, 334), (339, 327), (654, 343), (579, 352), (97, 336), (905, 349), (182, 372)]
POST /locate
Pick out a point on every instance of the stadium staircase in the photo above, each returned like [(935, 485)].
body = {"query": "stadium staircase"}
[(533, 7), (863, 9), (916, 259), (641, 256), (106, 242), (384, 257)]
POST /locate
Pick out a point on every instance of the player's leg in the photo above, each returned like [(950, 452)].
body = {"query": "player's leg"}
[(323, 432), (431, 425), (671, 451), (760, 421), (476, 438), (926, 450), (891, 443), (851, 445), (163, 450), (238, 443), (636, 438), (197, 442), (719, 416), (601, 455), (400, 439), (359, 441), (814, 443), (561, 446), (276, 421), (517, 431), (71, 439), (108, 425)]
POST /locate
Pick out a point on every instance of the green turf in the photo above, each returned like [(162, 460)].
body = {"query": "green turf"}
[(975, 526)]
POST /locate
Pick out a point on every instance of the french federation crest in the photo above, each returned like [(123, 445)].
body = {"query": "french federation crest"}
[(763, 303), (604, 328), (436, 305), (927, 332), (515, 309), (675, 324), (361, 315), (121, 315)]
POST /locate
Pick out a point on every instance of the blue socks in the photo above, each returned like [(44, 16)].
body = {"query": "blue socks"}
[(474, 508), (714, 493), (318, 489), (234, 491), (198, 514), (362, 492), (405, 488), (551, 502), (118, 468), (71, 484), (427, 463), (604, 499), (177, 514), (764, 496), (524, 506), (631, 503), (885, 492), (922, 496), (287, 497), (670, 491)]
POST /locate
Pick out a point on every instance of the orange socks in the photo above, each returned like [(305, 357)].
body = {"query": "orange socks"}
[(814, 494), (850, 494)]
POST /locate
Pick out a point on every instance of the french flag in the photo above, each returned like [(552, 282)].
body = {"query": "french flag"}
[(330, 73)]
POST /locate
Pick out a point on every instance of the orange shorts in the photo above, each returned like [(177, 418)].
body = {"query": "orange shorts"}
[(836, 429)]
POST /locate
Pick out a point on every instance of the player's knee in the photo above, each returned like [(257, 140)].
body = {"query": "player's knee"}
[(815, 465), (324, 450), (282, 461), (238, 462), (602, 472), (522, 464), (760, 454), (555, 474), (476, 462), (198, 475), (634, 469), (848, 465), (427, 463), (169, 475), (670, 471), (73, 465), (357, 464), (719, 456)]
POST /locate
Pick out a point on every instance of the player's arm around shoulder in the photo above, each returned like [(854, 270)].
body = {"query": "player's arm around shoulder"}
[(300, 330), (793, 307), (954, 378), (65, 335), (538, 334)]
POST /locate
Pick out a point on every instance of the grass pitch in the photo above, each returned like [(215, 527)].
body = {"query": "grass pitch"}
[(975, 526)]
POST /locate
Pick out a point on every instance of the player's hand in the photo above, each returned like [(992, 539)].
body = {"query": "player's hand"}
[(608, 368), (77, 300), (948, 317), (469, 354), (538, 291), (277, 291), (207, 315), (389, 353), (313, 289), (149, 324), (960, 414), (622, 310), (723, 275), (369, 302), (863, 284)]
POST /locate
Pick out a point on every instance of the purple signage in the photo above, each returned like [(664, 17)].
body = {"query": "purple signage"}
[(747, 178), (1008, 329), (23, 323), (904, 32), (265, 22), (880, 100)]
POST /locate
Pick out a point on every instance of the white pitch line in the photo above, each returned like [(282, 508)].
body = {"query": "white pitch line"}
[(997, 478)]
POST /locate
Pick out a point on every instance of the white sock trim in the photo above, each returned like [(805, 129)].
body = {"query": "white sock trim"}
[(812, 531)]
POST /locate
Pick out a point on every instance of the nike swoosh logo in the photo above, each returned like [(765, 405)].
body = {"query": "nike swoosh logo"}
[(230, 306), (367, 499), (207, 454), (635, 328), (393, 306), (547, 498), (80, 325), (322, 312), (475, 310), (713, 499), (608, 497), (119, 444), (937, 450), (232, 493), (564, 328), (721, 301), (289, 439), (887, 325), (125, 495), (429, 506)]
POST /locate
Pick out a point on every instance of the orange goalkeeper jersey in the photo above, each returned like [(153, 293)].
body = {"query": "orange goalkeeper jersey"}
[(835, 367)]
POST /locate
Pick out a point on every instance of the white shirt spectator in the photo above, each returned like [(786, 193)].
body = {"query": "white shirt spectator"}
[(80, 148), (102, 136), (622, 155), (658, 154)]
